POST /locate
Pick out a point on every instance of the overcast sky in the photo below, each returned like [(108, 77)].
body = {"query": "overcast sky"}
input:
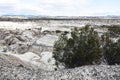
[(60, 7)]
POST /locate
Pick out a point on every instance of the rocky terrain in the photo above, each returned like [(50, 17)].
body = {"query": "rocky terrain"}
[(12, 68), (26, 51)]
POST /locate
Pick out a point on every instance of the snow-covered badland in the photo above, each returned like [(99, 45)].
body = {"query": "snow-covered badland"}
[(26, 46)]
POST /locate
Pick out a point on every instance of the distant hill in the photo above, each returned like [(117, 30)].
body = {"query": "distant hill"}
[(9, 17)]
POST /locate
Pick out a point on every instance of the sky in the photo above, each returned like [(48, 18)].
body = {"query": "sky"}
[(60, 7)]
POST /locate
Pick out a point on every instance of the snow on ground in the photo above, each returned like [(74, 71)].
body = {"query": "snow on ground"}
[(102, 30), (47, 40), (49, 61), (115, 39), (45, 61), (17, 25), (40, 61), (28, 25), (48, 28), (27, 57)]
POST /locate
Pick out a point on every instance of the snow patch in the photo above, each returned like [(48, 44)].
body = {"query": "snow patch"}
[(26, 57), (49, 61), (45, 61), (17, 25), (47, 40)]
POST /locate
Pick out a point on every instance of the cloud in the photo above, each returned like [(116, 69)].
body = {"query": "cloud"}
[(63, 2), (55, 7), (61, 7), (41, 7), (8, 1)]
